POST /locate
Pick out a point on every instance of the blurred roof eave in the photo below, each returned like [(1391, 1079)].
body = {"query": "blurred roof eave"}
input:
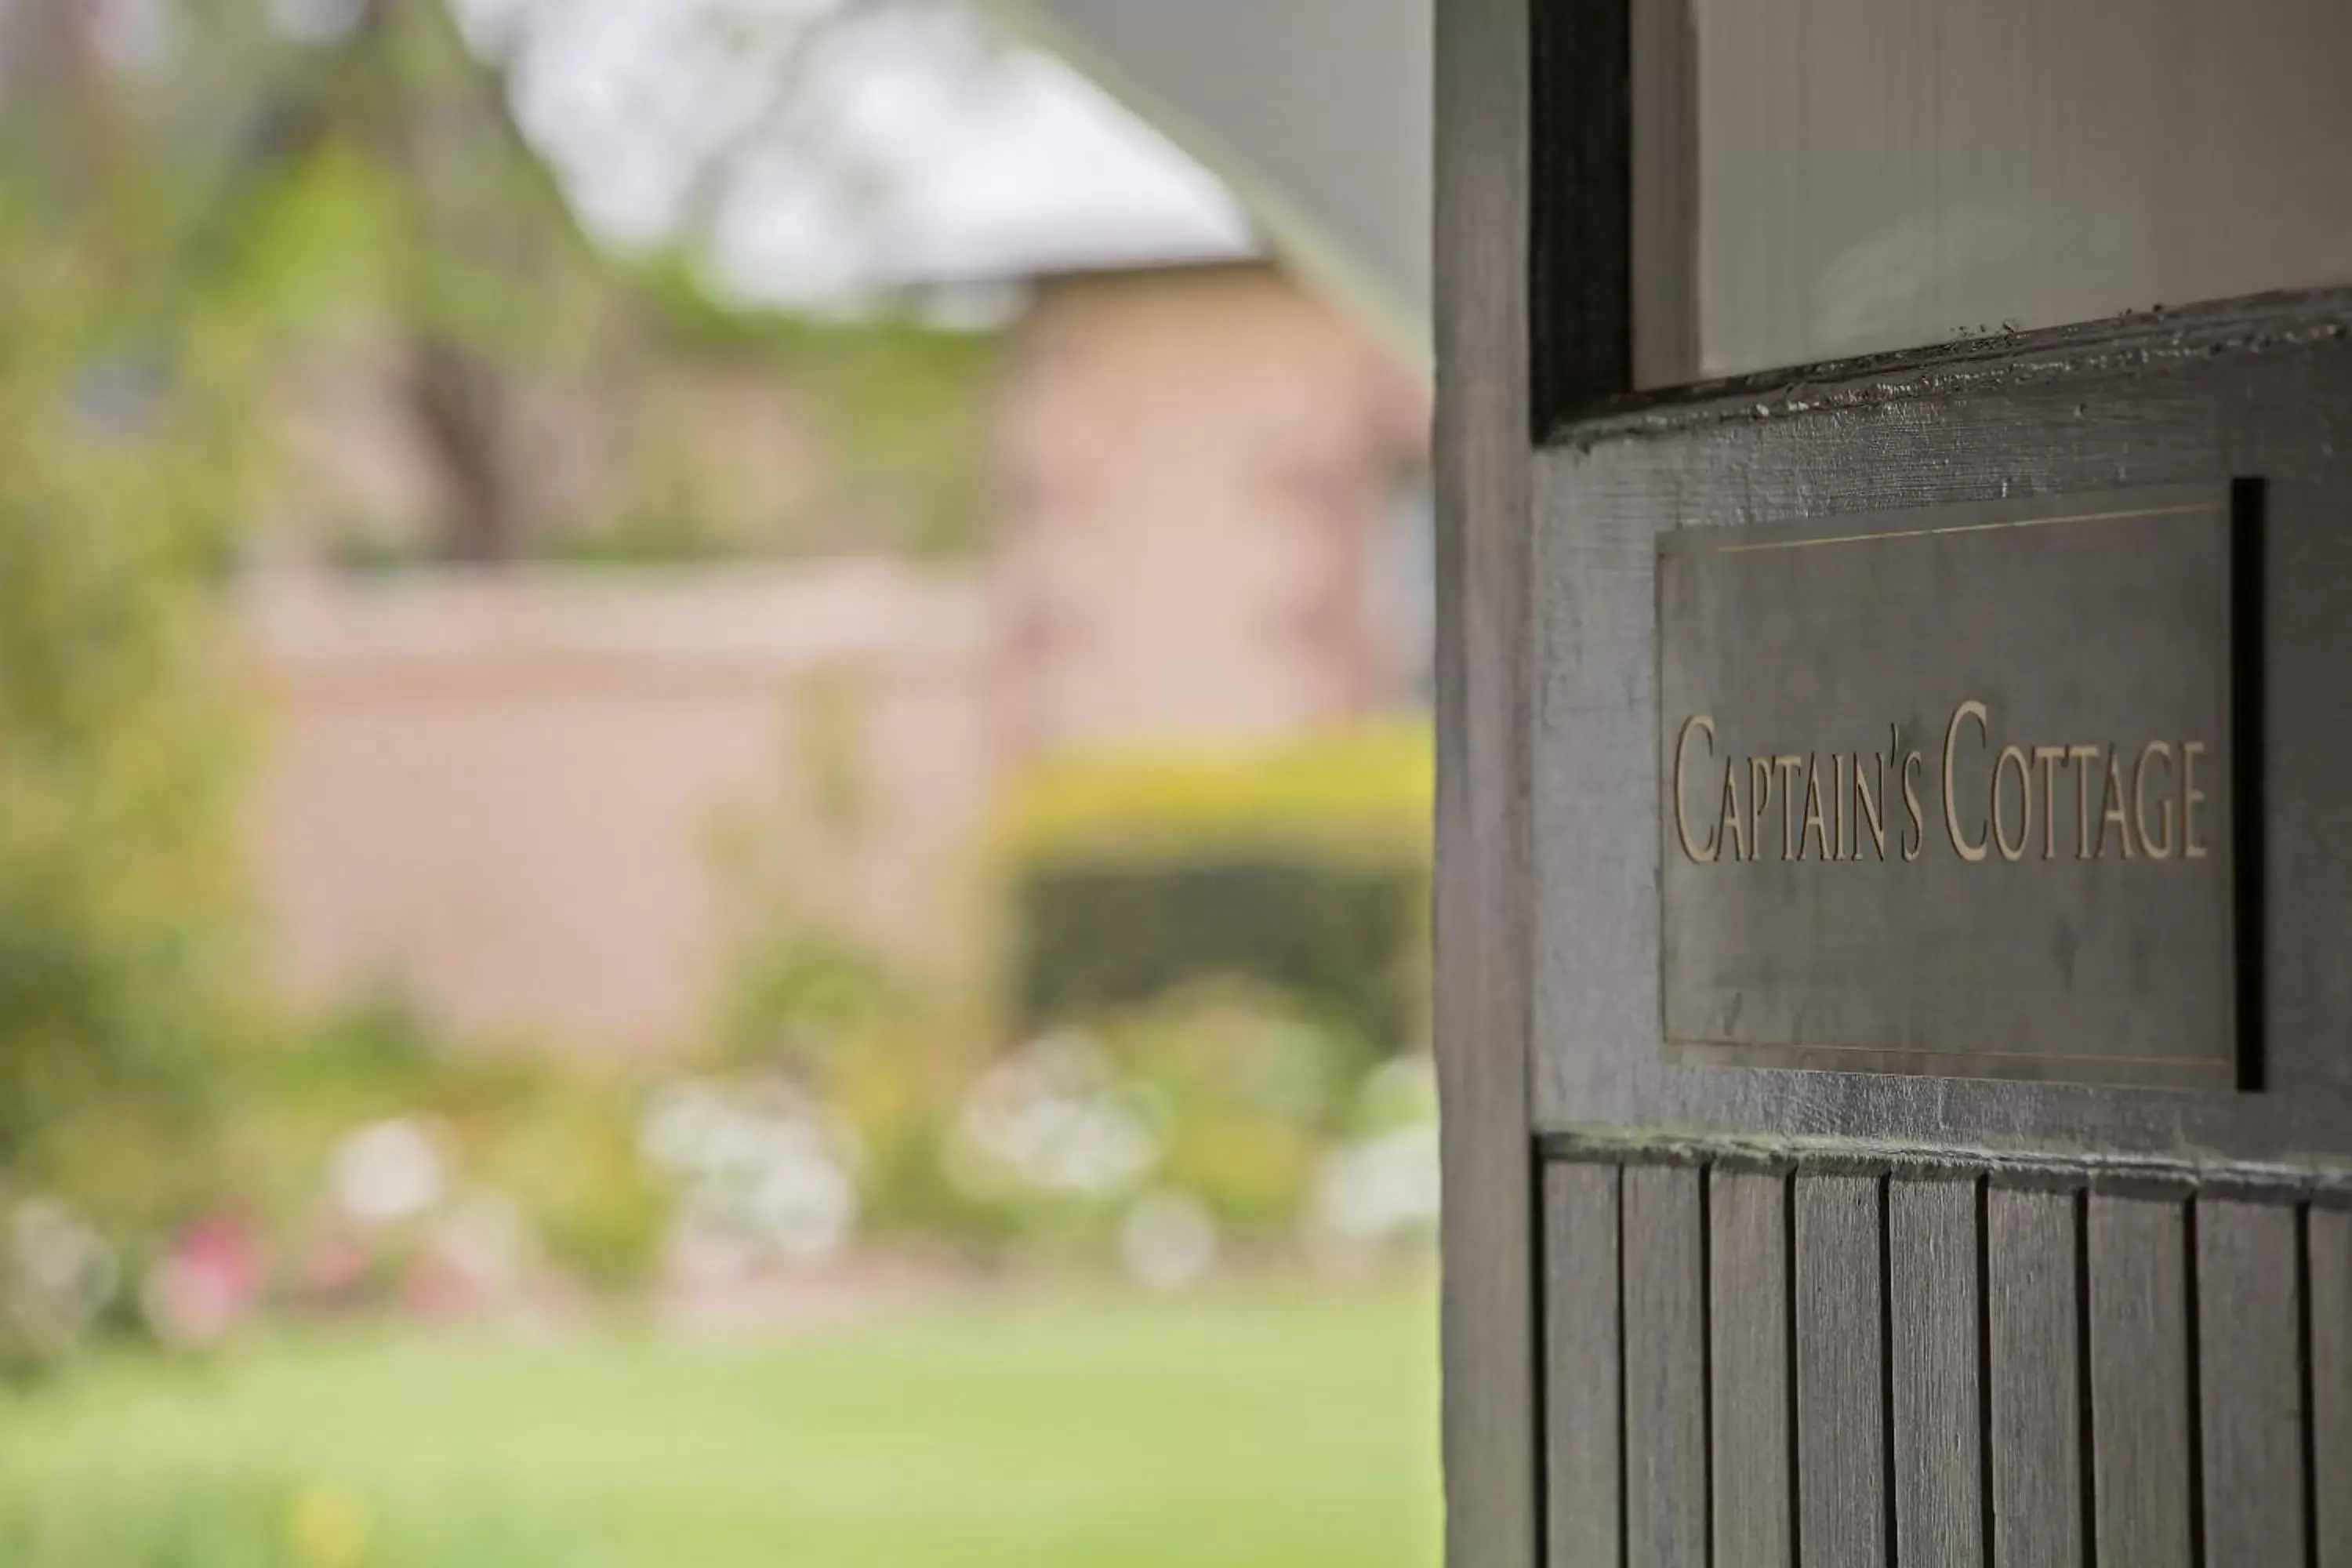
[(1315, 113)]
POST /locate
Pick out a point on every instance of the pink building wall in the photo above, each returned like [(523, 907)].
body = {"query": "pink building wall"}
[(1202, 469), (548, 803)]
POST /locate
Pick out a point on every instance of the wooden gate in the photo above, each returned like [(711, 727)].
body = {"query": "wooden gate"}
[(1895, 999)]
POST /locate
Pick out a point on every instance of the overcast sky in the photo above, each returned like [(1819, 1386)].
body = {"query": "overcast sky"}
[(910, 148)]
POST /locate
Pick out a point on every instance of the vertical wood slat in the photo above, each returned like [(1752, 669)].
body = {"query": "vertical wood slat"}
[(1582, 1366), (1666, 1368), (2329, 1241), (1483, 888), (2036, 1378), (1750, 1424), (1937, 1412), (1841, 1419), (2140, 1437), (2251, 1382)]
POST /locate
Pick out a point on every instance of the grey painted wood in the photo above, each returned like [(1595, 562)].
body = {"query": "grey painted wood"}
[(1748, 1255), (1841, 1418), (1483, 666), (1666, 1368), (2329, 1239), (2250, 1383), (2142, 151), (2140, 1437), (1663, 60), (1582, 1363), (2192, 398), (1933, 1315), (2036, 1380)]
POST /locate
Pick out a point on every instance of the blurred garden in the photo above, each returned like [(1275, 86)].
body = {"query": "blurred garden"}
[(1109, 1245)]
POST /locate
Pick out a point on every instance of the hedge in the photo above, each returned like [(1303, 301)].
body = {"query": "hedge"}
[(1304, 867)]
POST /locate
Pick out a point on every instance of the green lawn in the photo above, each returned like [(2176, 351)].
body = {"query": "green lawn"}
[(1262, 1428)]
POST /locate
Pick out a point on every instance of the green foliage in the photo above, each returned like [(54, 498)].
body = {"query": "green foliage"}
[(1254, 1091), (1364, 792), (568, 1157), (901, 410), (888, 1055), (556, 1137), (811, 1002), (120, 726), (1305, 868)]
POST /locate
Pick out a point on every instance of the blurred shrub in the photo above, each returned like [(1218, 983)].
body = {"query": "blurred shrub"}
[(1222, 1118), (122, 462), (568, 1160), (552, 1139), (820, 1012), (1305, 867), (1251, 1089)]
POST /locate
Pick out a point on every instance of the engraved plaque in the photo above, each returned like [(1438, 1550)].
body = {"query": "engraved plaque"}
[(1960, 791)]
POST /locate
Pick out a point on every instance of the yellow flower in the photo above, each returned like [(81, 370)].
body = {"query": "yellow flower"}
[(328, 1528)]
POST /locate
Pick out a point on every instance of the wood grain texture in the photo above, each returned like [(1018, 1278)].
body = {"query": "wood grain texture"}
[(2036, 1379), (2250, 1383), (2196, 398), (1751, 1420), (1483, 662), (1583, 1362), (1841, 1415), (1666, 1368), (2141, 1439), (2329, 1244), (1932, 1304)]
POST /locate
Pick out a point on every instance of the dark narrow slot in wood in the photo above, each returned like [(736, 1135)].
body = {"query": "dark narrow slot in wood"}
[(1579, 235), (1886, 1364), (2085, 1436), (2196, 1356), (2249, 851), (1707, 1349), (1984, 1364), (1540, 1290), (1624, 1446), (2307, 1370), (1789, 1330)]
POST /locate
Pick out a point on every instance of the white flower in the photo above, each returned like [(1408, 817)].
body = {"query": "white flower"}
[(56, 1272), (1168, 1240), (387, 1171), (1378, 1189), (1053, 1118), (763, 1170)]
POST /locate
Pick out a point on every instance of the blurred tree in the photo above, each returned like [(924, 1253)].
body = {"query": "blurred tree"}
[(440, 228), (191, 196), (126, 370)]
